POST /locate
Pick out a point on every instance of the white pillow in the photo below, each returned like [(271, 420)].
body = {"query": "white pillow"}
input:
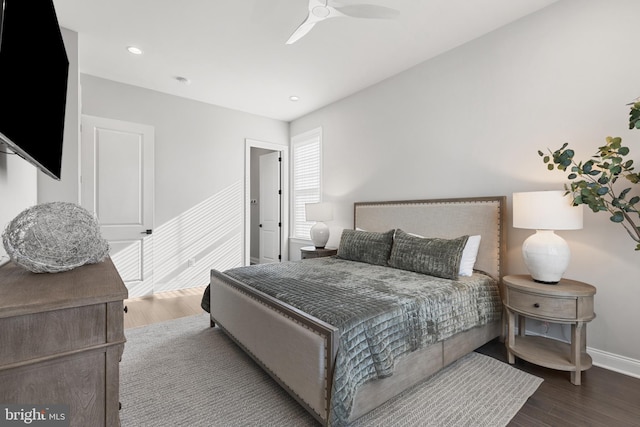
[(469, 255)]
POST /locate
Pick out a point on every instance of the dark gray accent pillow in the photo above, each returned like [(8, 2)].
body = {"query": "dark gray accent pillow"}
[(433, 256), (366, 246)]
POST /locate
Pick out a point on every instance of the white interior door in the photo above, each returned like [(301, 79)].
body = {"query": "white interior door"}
[(270, 222), (117, 185)]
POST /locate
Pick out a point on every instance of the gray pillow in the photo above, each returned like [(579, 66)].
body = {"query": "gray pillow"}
[(434, 256), (366, 246)]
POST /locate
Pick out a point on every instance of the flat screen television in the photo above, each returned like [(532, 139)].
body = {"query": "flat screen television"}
[(33, 83)]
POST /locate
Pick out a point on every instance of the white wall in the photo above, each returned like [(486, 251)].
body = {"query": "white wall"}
[(20, 182), (18, 190), (199, 175), (470, 122)]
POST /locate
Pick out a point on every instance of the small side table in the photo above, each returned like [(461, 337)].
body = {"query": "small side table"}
[(567, 302), (308, 252)]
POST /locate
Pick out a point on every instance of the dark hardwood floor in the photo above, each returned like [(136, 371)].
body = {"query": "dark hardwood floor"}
[(605, 398)]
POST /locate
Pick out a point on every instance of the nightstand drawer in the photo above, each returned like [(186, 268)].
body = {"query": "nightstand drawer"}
[(308, 252), (543, 306)]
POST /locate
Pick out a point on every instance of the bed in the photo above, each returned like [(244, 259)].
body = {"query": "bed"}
[(296, 319)]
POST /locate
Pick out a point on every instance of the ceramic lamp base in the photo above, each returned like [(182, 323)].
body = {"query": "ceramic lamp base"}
[(546, 255), (319, 235)]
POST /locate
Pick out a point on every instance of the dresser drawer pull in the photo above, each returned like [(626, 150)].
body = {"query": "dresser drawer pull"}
[(536, 305)]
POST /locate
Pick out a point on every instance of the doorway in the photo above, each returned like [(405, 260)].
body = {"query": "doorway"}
[(265, 202)]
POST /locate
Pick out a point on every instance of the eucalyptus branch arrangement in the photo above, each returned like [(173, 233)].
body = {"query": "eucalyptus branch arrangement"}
[(595, 182)]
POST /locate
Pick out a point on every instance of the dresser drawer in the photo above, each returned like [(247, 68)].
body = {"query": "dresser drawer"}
[(51, 332), (543, 306)]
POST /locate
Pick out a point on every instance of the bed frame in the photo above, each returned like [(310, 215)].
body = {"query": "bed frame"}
[(299, 350)]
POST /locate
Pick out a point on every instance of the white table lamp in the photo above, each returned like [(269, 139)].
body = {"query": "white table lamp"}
[(546, 254), (319, 212)]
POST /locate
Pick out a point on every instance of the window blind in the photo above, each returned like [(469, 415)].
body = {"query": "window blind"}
[(306, 179)]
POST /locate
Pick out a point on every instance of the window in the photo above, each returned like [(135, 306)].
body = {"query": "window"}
[(306, 169)]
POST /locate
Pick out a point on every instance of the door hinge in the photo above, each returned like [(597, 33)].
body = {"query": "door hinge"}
[(279, 224), (279, 159), (280, 192), (279, 256)]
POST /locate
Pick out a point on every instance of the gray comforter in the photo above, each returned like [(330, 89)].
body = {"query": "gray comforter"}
[(382, 313)]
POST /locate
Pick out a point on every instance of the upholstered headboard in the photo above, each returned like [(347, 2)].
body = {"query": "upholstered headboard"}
[(444, 218)]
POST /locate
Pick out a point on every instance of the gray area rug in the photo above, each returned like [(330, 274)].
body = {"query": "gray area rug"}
[(184, 373)]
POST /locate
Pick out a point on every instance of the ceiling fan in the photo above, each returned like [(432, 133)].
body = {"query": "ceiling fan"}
[(319, 10)]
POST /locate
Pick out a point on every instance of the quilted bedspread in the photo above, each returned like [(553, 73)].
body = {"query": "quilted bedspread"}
[(382, 313)]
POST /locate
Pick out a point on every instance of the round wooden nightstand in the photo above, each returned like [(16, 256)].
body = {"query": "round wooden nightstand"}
[(568, 302), (308, 252)]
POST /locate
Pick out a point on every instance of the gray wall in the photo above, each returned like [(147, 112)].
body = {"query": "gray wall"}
[(199, 176), (199, 147), (469, 123)]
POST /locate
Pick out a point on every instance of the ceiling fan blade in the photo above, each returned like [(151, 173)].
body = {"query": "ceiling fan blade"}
[(302, 30), (316, 14), (368, 11)]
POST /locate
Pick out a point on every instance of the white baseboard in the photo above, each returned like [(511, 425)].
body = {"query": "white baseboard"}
[(614, 362)]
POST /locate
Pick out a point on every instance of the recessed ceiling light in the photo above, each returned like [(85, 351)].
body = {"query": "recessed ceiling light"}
[(134, 50), (183, 80), (294, 98)]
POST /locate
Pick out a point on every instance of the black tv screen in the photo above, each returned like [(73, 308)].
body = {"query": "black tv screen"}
[(33, 83)]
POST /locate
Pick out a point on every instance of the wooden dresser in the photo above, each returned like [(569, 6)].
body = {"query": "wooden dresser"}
[(61, 339)]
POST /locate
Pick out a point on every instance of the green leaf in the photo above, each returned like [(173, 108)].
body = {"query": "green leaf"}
[(634, 200), (617, 217), (602, 191), (540, 153), (587, 166), (546, 159), (623, 151), (623, 193), (572, 176), (550, 167), (633, 177)]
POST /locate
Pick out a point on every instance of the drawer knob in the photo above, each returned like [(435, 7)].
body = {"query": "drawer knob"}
[(536, 305)]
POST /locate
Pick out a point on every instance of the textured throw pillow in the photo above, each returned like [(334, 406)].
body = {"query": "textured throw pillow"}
[(469, 255), (366, 246), (434, 256)]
